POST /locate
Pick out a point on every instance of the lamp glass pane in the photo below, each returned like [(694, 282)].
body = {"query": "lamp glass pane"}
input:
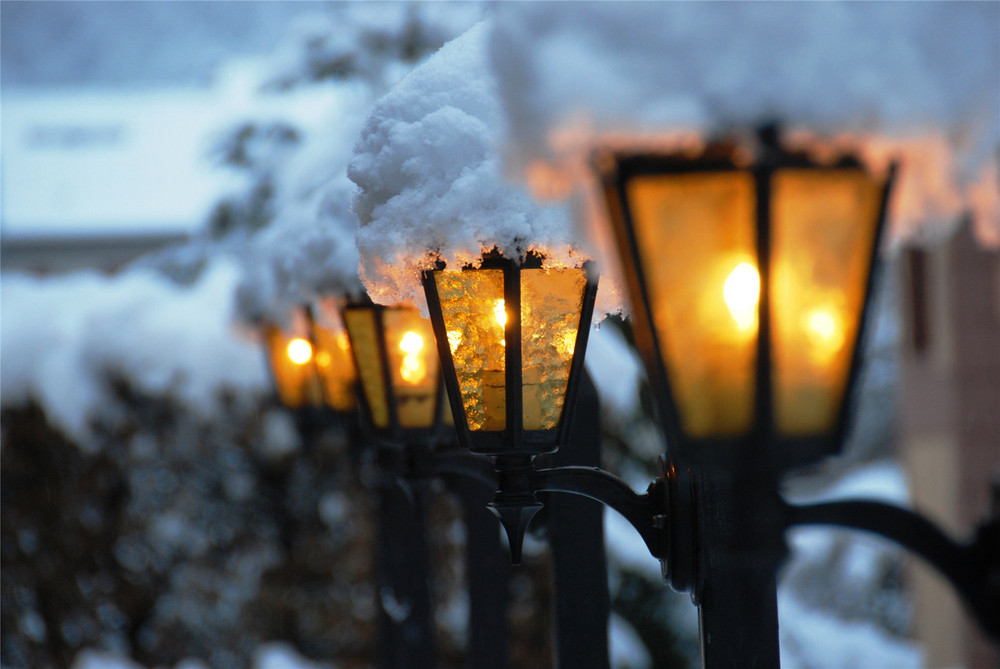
[(413, 366), (823, 229), (334, 360), (291, 358), (551, 301), (696, 243), (474, 314), (363, 334)]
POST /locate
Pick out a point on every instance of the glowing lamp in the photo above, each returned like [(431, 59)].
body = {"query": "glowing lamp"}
[(292, 361), (398, 368), (750, 285), (507, 333)]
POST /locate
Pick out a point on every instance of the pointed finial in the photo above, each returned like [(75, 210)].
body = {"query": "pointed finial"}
[(515, 516)]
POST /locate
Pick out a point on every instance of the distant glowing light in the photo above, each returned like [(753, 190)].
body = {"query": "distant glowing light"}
[(299, 351), (323, 359), (741, 292)]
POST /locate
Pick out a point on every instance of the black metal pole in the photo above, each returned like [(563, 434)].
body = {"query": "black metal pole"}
[(741, 547), (581, 601), (405, 622), (487, 568)]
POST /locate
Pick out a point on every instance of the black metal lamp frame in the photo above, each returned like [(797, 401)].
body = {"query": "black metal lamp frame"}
[(393, 432)]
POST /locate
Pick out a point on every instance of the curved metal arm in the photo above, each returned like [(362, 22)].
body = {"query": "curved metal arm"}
[(966, 566), (477, 469), (645, 511)]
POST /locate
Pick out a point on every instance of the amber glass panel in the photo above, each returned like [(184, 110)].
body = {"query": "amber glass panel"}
[(295, 379), (334, 360), (551, 301), (413, 365), (696, 242), (474, 315), (364, 340), (823, 230)]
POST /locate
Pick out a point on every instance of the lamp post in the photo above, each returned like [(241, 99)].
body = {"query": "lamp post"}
[(750, 283), (403, 409), (750, 276)]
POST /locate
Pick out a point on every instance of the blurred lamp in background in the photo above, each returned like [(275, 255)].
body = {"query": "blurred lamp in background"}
[(398, 369), (310, 360), (292, 361)]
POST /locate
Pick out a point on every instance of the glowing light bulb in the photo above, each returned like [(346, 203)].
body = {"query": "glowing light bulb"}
[(500, 313), (741, 291), (411, 342), (299, 351), (412, 369), (822, 324), (825, 332)]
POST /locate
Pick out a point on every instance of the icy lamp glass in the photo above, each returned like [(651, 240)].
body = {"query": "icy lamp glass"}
[(292, 363), (750, 284), (397, 365), (507, 334), (334, 361)]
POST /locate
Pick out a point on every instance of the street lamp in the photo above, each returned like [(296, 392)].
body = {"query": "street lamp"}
[(311, 362), (507, 333), (750, 280), (750, 276), (511, 337), (398, 369), (292, 360)]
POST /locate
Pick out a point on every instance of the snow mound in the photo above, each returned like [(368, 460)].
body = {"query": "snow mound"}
[(63, 336), (431, 179)]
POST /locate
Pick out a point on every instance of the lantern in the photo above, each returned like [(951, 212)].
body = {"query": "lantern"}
[(750, 284), (511, 337), (292, 361), (398, 368)]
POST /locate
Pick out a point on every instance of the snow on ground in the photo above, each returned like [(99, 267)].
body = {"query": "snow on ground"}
[(431, 181), (63, 335)]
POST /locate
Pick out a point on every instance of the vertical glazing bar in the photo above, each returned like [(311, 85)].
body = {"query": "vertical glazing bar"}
[(383, 355), (512, 354)]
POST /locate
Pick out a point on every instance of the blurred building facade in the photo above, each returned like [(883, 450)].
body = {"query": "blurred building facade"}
[(950, 420), (94, 179)]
